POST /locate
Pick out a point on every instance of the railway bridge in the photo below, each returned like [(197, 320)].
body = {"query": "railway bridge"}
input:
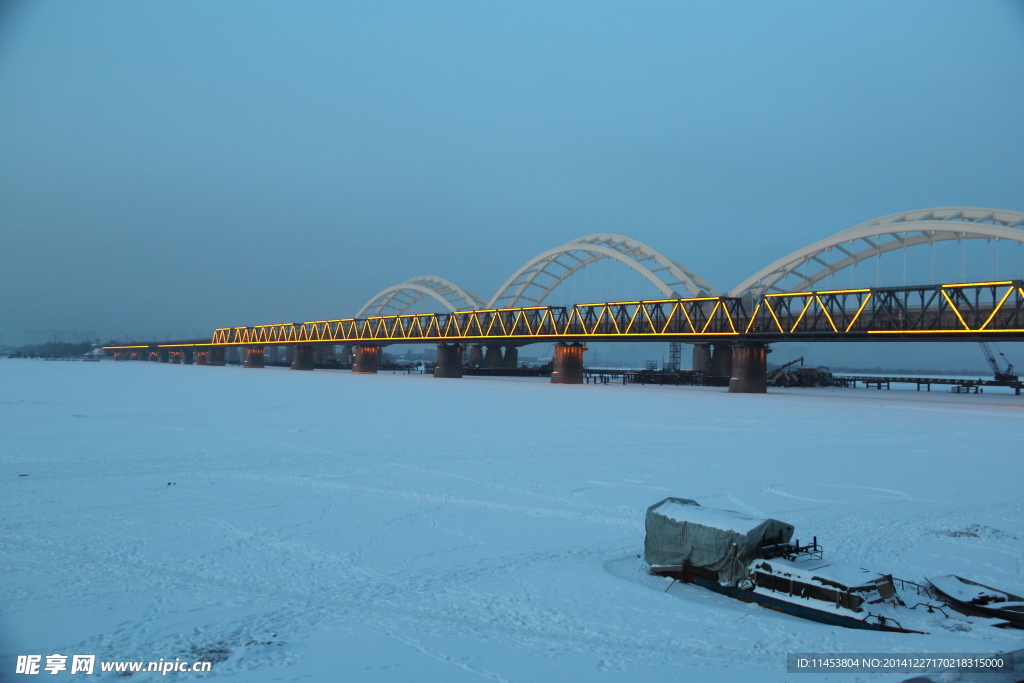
[(730, 331)]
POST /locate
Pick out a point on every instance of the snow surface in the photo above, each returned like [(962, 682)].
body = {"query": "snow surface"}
[(324, 526)]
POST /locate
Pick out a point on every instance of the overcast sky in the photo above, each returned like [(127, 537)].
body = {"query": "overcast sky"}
[(170, 167)]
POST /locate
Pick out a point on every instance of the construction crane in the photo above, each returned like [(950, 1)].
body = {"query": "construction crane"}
[(1001, 375)]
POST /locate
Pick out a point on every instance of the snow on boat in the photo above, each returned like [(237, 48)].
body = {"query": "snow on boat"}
[(753, 560), (978, 600)]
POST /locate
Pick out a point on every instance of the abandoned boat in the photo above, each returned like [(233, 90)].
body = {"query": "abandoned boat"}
[(753, 560), (978, 600)]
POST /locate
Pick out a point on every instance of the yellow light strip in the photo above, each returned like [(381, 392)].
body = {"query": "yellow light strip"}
[(711, 317), (943, 331), (995, 310), (753, 317), (856, 315), (771, 310), (982, 284), (801, 317), (953, 306), (825, 311)]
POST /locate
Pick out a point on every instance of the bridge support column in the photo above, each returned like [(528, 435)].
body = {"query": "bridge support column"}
[(511, 359), (476, 355), (749, 369), (302, 357), (701, 357), (366, 359), (492, 359), (202, 357), (188, 356), (175, 356), (568, 363), (217, 355), (154, 356), (164, 355), (254, 357), (721, 360), (449, 361)]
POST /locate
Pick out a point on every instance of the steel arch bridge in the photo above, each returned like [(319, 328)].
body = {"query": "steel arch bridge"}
[(533, 282), (804, 268), (397, 299)]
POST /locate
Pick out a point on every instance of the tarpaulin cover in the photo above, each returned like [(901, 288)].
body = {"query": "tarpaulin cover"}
[(681, 530)]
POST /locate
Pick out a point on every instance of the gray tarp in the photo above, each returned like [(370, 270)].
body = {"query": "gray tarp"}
[(681, 530)]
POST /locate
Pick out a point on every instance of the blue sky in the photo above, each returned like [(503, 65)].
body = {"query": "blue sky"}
[(170, 167)]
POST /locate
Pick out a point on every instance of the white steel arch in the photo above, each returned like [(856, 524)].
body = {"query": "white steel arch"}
[(881, 235), (534, 281), (396, 299)]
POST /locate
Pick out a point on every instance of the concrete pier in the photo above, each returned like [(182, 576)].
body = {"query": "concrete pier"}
[(202, 357), (254, 357), (188, 356), (164, 355), (749, 369), (701, 357), (721, 360), (492, 358), (216, 355), (175, 356), (154, 356), (511, 359), (366, 359), (476, 355), (302, 357), (449, 361), (568, 363)]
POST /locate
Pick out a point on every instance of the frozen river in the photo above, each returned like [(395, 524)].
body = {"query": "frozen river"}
[(326, 526)]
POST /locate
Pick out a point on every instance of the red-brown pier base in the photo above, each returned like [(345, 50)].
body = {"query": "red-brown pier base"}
[(701, 357), (154, 356), (164, 355), (175, 356), (202, 357), (216, 355), (449, 361), (254, 357), (749, 369), (366, 359), (721, 360), (568, 363), (302, 357)]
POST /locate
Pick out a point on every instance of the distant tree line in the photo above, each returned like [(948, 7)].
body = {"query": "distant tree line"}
[(52, 350)]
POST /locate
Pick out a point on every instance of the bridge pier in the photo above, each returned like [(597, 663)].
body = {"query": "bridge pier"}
[(176, 356), (721, 360), (202, 357), (254, 357), (188, 356), (217, 355), (366, 359), (701, 357), (511, 359), (749, 369), (163, 355), (492, 358), (449, 361), (476, 355), (568, 363), (302, 357)]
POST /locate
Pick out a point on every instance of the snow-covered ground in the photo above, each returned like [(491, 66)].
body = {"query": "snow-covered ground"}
[(325, 526)]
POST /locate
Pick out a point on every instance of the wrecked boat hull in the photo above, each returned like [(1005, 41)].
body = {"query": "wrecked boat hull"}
[(793, 609)]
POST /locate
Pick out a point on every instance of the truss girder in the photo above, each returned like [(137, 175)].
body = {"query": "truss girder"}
[(941, 311)]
